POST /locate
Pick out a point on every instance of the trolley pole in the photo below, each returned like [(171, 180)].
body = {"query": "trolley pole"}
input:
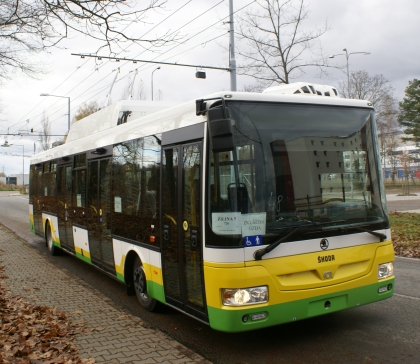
[(232, 60)]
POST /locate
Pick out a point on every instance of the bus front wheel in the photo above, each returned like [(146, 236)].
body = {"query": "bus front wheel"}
[(48, 237), (140, 286)]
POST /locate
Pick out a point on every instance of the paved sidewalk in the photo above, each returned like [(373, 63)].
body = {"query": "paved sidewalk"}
[(117, 337)]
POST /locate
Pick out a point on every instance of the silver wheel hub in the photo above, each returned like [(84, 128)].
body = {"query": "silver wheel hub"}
[(140, 282)]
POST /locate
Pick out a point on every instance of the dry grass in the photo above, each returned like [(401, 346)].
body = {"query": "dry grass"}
[(405, 231)]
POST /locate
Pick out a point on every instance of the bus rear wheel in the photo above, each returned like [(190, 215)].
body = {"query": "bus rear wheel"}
[(140, 287), (50, 244)]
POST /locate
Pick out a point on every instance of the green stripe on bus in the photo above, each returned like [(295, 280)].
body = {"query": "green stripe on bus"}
[(120, 277), (233, 320), (82, 257), (156, 291)]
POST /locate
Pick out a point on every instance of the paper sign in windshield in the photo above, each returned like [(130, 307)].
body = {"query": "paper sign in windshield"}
[(254, 224), (226, 223)]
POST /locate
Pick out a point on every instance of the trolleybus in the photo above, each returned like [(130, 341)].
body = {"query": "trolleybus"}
[(242, 210)]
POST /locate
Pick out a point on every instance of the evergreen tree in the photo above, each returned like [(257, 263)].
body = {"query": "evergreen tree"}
[(410, 112)]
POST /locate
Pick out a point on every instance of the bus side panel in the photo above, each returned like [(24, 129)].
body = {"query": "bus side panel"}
[(156, 282), (54, 228), (119, 257), (81, 243), (151, 261), (31, 218)]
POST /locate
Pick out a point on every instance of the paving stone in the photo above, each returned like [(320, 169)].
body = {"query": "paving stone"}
[(117, 337)]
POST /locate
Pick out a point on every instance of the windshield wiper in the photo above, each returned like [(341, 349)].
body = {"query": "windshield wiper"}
[(258, 254), (381, 236)]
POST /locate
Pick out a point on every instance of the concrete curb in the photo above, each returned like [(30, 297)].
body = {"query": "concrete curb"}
[(116, 336)]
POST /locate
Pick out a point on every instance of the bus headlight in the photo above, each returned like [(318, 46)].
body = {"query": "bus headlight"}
[(385, 270), (244, 296)]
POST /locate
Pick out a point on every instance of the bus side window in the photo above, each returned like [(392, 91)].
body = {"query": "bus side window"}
[(135, 189)]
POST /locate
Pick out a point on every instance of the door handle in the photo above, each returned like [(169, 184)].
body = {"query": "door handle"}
[(194, 239), (166, 232)]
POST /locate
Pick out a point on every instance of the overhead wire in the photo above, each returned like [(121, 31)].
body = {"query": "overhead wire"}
[(174, 32), (124, 77), (170, 34), (23, 117), (202, 31), (173, 13), (147, 66)]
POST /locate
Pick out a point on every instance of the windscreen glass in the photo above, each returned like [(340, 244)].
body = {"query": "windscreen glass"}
[(293, 165)]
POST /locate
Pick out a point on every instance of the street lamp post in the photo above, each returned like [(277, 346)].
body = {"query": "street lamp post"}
[(157, 68), (7, 145), (64, 97), (347, 63)]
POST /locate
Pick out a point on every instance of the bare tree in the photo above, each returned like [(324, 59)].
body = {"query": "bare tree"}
[(33, 26), (406, 160), (137, 92), (85, 110), (388, 135), (273, 43), (126, 91), (380, 93), (141, 93), (1, 111), (253, 88), (375, 89), (44, 135)]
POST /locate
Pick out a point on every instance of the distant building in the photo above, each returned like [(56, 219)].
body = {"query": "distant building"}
[(15, 179), (403, 161)]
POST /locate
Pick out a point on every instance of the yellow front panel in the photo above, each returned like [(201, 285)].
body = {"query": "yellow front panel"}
[(301, 276), (320, 269)]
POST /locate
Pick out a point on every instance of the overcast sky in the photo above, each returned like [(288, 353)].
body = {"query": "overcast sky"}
[(385, 28)]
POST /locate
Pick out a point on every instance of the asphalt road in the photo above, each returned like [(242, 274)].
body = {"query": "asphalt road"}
[(404, 204), (383, 332), (396, 202)]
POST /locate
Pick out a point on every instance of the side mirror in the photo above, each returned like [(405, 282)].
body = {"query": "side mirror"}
[(221, 131)]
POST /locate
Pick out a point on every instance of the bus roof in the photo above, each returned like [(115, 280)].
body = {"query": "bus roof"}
[(147, 118)]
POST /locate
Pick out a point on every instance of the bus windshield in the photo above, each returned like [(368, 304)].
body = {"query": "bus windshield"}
[(294, 164)]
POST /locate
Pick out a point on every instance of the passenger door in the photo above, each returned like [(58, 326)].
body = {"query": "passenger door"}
[(37, 203), (63, 208), (182, 261), (98, 214)]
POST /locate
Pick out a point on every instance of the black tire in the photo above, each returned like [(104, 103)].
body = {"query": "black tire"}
[(48, 239), (140, 287)]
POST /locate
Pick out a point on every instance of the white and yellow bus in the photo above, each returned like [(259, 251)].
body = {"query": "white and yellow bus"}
[(242, 210)]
